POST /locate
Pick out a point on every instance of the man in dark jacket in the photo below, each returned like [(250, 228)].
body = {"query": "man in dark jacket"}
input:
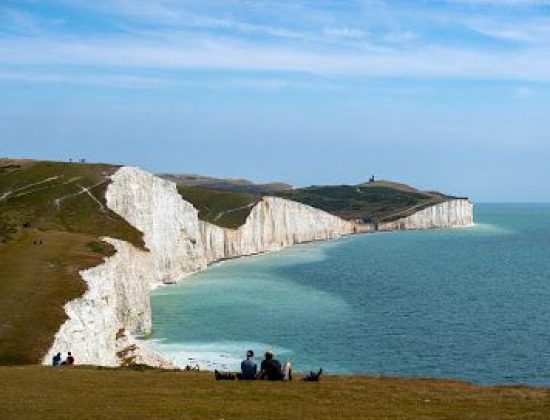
[(249, 368), (271, 369)]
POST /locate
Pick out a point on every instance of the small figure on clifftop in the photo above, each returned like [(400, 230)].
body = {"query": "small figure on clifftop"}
[(56, 360), (69, 360)]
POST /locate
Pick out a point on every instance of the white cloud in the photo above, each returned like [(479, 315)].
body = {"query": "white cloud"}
[(125, 81), (220, 54), (345, 32)]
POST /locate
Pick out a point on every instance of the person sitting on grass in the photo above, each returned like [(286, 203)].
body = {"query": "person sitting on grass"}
[(56, 360), (69, 361), (271, 369), (249, 368)]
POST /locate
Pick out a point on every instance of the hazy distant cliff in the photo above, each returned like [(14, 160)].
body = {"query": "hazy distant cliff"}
[(116, 306)]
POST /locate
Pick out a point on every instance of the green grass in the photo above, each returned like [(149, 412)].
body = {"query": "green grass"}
[(223, 208), (70, 393), (34, 187), (44, 201), (381, 200)]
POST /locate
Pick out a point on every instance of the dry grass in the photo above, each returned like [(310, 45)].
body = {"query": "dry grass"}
[(36, 281), (44, 393)]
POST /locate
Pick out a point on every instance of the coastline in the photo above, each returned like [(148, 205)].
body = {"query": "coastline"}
[(104, 325), (207, 354)]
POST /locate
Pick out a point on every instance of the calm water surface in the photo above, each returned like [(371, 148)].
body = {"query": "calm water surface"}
[(470, 304)]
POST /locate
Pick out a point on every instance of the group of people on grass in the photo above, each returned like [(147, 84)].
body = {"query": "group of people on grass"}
[(270, 369), (56, 360)]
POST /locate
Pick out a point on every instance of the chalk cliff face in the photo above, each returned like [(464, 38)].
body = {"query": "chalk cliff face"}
[(273, 224), (102, 324), (116, 306), (453, 213)]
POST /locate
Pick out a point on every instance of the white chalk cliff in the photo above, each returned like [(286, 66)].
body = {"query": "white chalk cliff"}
[(102, 324), (452, 213)]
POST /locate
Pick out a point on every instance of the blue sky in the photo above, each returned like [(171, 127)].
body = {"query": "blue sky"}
[(451, 95)]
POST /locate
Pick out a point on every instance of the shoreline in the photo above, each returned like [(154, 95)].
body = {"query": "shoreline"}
[(216, 361)]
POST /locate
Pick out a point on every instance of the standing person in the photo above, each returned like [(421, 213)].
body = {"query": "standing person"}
[(271, 369), (56, 360), (249, 368)]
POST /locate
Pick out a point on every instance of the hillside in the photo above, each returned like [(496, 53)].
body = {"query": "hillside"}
[(380, 201), (227, 202), (35, 392), (52, 215), (223, 208), (225, 184)]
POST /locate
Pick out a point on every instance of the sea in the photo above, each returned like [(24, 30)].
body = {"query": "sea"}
[(470, 304)]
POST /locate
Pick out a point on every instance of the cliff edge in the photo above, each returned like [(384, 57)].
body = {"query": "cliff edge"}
[(150, 236)]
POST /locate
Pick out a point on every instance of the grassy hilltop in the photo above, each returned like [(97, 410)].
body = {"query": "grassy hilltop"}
[(227, 202), (46, 393), (379, 200)]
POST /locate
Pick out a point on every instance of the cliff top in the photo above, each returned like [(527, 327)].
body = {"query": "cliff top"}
[(52, 215), (44, 392), (367, 202), (228, 201)]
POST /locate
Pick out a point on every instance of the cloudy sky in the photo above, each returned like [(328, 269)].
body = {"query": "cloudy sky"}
[(451, 94)]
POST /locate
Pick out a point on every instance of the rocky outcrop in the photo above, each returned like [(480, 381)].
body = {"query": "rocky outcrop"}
[(452, 213), (103, 323)]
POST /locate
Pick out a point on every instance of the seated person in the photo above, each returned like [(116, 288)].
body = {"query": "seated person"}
[(271, 369), (69, 360), (249, 368), (56, 360)]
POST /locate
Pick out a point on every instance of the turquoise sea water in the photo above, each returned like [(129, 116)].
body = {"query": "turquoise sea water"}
[(470, 304)]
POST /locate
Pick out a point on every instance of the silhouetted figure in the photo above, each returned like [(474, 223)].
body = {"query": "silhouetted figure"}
[(313, 377), (249, 368), (56, 360), (224, 376), (69, 361), (271, 369)]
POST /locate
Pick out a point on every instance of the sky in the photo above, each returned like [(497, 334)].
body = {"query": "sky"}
[(452, 95)]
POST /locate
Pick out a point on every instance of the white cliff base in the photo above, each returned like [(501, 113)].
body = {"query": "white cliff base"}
[(103, 323)]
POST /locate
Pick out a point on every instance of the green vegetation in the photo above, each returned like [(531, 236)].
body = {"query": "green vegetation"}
[(226, 184), (223, 208), (67, 197), (52, 216), (36, 392), (381, 200)]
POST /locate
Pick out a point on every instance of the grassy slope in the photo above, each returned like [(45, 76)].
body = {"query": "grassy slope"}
[(225, 184), (223, 208), (37, 280), (381, 200), (43, 393)]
